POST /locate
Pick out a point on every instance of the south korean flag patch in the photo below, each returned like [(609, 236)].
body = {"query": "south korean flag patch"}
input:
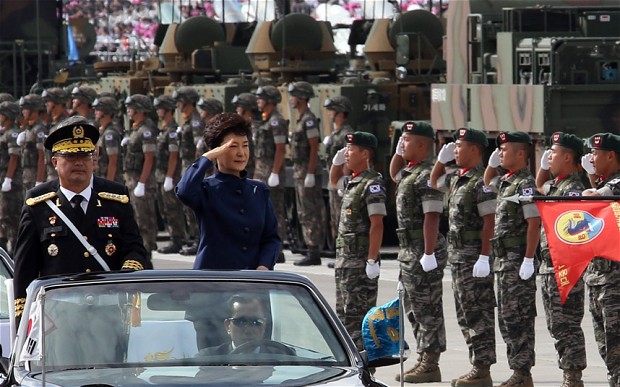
[(375, 188), (310, 123), (527, 191), (574, 194)]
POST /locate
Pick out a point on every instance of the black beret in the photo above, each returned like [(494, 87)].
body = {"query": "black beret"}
[(73, 135), (569, 141), (471, 135), (364, 139), (419, 128), (521, 137), (605, 141)]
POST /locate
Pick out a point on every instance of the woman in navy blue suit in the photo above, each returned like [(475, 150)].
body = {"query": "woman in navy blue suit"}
[(238, 225)]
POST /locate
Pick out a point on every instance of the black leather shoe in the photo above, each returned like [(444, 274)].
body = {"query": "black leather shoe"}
[(174, 247), (308, 261), (191, 250), (281, 258), (331, 265)]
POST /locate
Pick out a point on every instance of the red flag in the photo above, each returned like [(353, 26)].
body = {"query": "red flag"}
[(577, 231)]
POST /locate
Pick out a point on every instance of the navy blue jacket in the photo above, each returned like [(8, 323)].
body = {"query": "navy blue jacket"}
[(237, 222)]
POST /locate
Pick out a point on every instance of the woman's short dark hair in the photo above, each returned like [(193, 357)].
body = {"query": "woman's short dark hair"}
[(222, 125)]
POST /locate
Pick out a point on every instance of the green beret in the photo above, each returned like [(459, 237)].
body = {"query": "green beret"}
[(364, 139), (569, 141), (419, 128), (471, 135), (521, 137), (605, 141)]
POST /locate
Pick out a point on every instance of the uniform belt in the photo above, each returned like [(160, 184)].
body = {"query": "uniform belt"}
[(471, 236), (407, 237), (345, 242), (513, 242)]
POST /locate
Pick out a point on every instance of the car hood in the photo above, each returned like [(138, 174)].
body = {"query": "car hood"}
[(284, 375)]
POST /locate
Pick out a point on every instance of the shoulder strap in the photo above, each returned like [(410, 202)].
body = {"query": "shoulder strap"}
[(78, 235)]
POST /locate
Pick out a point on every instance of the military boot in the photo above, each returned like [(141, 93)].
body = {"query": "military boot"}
[(173, 247), (479, 376), (572, 379), (410, 370), (428, 370), (313, 257), (190, 250), (614, 381), (281, 258), (520, 378)]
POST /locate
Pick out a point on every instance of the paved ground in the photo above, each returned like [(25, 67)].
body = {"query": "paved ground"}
[(454, 362)]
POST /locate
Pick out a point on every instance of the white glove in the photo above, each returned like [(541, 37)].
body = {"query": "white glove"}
[(21, 138), (481, 267), (527, 268), (124, 141), (37, 183), (544, 160), (399, 146), (139, 190), (373, 270), (494, 159), (339, 157), (309, 180), (428, 262), (168, 184), (447, 153), (327, 141), (274, 180), (586, 163), (6, 184)]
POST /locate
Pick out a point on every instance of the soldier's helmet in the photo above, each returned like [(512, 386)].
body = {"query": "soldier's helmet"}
[(139, 102), (164, 102), (338, 104), (85, 94), (210, 105), (57, 95), (6, 97), (10, 109), (107, 105), (32, 102), (186, 94), (301, 89), (246, 101), (271, 94)]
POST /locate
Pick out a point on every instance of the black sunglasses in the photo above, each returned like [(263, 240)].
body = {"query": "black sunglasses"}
[(244, 322)]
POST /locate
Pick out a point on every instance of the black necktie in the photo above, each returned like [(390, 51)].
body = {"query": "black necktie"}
[(77, 208)]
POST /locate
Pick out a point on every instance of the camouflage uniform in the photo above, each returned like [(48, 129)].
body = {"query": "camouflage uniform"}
[(142, 139), (272, 131), (364, 196), (563, 320), (310, 205), (474, 298), (424, 290), (35, 133), (109, 144), (191, 132), (170, 205), (337, 142), (603, 280), (58, 96), (11, 201), (516, 298)]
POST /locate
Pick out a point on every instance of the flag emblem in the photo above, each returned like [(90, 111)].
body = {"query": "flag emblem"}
[(578, 227)]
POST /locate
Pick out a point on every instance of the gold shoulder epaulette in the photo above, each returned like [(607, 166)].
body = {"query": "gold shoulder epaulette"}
[(41, 198), (116, 197)]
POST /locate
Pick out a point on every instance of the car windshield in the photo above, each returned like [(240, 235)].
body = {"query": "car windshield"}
[(178, 323)]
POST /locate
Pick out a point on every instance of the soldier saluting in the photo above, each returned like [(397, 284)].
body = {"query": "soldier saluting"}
[(99, 210)]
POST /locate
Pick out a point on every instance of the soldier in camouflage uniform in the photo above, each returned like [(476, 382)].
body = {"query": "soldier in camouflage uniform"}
[(31, 140), (360, 232), (517, 231), (139, 147), (246, 105), (422, 252), (602, 276), (12, 194), (270, 138), (190, 135), (338, 110), (82, 101), (168, 174), (471, 216), (209, 108), (55, 100), (563, 320), (6, 97), (307, 172), (109, 157)]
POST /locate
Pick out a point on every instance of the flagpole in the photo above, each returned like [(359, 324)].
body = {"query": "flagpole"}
[(401, 330), (532, 198)]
